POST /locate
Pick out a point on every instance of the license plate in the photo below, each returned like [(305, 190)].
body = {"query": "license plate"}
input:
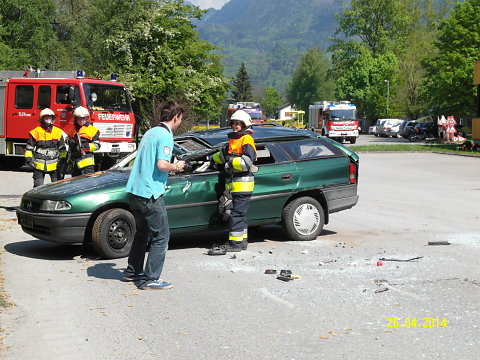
[(115, 150)]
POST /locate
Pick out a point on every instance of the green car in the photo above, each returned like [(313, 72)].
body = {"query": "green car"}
[(301, 179)]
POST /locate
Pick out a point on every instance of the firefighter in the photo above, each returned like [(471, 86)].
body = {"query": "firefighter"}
[(83, 140), (238, 157), (45, 146)]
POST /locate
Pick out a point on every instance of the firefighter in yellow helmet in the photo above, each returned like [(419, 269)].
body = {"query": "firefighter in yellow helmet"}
[(83, 140), (238, 157), (45, 146)]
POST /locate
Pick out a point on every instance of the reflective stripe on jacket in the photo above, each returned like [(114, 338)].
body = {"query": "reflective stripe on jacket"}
[(45, 147), (241, 154), (88, 143), (89, 137)]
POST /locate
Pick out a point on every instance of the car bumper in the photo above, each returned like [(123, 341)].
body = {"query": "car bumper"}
[(61, 228), (341, 197)]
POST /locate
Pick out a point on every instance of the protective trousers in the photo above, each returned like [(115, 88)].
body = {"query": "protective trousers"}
[(39, 177), (238, 220)]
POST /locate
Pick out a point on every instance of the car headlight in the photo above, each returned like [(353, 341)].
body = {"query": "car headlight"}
[(54, 205)]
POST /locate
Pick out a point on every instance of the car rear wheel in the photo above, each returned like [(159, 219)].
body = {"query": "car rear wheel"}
[(303, 219), (113, 232)]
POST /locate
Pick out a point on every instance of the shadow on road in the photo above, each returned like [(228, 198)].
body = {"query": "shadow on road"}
[(44, 250)]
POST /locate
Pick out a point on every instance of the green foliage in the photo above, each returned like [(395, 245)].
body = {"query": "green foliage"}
[(241, 87), (310, 82), (269, 36), (151, 44), (271, 101), (27, 33), (450, 72), (384, 40)]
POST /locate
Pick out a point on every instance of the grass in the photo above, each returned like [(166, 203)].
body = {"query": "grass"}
[(453, 148)]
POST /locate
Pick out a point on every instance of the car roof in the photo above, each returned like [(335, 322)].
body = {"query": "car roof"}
[(260, 132)]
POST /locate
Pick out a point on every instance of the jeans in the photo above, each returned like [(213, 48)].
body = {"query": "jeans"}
[(151, 228)]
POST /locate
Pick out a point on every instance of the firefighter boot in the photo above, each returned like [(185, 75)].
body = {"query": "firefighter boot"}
[(233, 246)]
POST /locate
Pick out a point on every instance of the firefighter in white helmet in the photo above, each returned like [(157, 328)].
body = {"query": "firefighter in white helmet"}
[(45, 146), (83, 140), (238, 157)]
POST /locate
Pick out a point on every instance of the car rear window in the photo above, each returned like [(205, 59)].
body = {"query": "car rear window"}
[(310, 149)]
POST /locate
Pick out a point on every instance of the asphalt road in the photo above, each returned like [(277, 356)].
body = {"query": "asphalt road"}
[(69, 305)]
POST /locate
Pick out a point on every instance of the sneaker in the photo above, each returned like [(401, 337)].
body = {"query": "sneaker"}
[(136, 277), (156, 285)]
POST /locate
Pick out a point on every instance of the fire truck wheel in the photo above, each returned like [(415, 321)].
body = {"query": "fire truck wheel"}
[(112, 233), (353, 140), (303, 219)]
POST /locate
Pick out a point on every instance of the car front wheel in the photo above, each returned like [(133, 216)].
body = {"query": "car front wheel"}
[(303, 219), (112, 233)]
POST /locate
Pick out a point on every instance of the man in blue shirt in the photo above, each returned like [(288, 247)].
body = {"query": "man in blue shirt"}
[(146, 186)]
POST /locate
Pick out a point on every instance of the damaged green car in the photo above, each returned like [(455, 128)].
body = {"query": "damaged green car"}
[(301, 179)]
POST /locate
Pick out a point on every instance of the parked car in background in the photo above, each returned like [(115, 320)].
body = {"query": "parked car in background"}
[(302, 178), (385, 129), (393, 127), (406, 127), (377, 126)]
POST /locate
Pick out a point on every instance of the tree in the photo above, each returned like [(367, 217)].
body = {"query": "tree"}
[(450, 72), (271, 101), (310, 82), (242, 89), (384, 40), (26, 29)]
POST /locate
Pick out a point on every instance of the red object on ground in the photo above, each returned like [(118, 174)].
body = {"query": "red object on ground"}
[(379, 263)]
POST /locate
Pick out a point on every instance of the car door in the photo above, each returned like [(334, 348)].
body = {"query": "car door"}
[(192, 200), (318, 164), (275, 182)]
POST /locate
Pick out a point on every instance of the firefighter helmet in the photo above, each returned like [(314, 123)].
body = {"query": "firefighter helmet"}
[(81, 112), (243, 116), (47, 112)]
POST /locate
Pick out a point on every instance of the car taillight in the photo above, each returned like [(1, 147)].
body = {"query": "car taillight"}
[(353, 173)]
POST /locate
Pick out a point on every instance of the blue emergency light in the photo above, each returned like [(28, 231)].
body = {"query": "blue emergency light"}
[(113, 77), (80, 74)]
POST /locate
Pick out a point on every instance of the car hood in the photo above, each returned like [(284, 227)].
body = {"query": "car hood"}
[(105, 181)]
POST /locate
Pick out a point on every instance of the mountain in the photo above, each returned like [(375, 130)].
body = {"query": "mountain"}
[(269, 36)]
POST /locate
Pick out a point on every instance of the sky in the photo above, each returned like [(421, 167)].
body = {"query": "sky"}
[(206, 4)]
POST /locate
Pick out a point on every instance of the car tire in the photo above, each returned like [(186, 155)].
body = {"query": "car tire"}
[(353, 140), (113, 233), (412, 137), (303, 219)]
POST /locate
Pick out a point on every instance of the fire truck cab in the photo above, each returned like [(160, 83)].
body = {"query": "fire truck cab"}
[(23, 94), (336, 120)]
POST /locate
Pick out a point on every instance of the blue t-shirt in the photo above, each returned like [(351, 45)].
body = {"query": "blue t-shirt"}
[(146, 180)]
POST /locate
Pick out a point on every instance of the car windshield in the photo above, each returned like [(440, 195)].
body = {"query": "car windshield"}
[(343, 114), (107, 97)]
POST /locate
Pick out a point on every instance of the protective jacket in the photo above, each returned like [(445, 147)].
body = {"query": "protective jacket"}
[(83, 141), (238, 157), (45, 146)]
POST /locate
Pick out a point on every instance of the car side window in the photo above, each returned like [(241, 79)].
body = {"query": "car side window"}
[(309, 149)]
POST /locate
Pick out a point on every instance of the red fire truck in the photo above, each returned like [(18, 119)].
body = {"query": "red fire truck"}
[(336, 120), (23, 94)]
